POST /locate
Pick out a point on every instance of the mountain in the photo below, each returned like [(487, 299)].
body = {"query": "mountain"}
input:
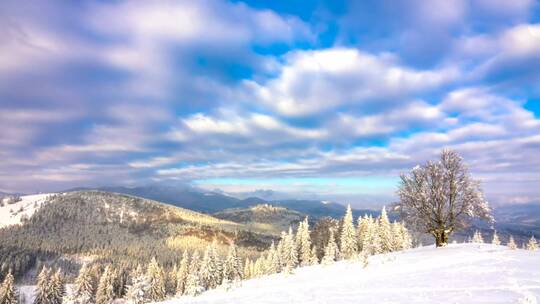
[(104, 227), (213, 201), (263, 217), (461, 273)]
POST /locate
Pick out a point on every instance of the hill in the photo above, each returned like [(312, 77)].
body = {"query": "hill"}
[(461, 273), (263, 217), (107, 227)]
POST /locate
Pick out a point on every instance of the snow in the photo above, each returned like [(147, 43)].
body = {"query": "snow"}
[(458, 273), (29, 204)]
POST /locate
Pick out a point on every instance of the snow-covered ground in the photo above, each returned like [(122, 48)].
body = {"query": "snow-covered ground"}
[(459, 273), (11, 214)]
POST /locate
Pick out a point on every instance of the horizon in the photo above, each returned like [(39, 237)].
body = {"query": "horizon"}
[(324, 99)]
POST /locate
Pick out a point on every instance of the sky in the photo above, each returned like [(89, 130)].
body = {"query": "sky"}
[(330, 99)]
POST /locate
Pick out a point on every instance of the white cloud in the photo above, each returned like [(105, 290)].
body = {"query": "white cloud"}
[(314, 81)]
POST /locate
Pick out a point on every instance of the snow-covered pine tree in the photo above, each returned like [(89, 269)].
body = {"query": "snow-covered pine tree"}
[(181, 276), (397, 236), (348, 239), (385, 232), (232, 268), (477, 237), (194, 285), (406, 238), (58, 288), (137, 292), (83, 289), (105, 288), (511, 243), (280, 249), (43, 287), (156, 280), (273, 265), (247, 269), (217, 275), (495, 240), (303, 241), (313, 259), (8, 292), (372, 241), (290, 253), (171, 280), (532, 244), (362, 231), (331, 250)]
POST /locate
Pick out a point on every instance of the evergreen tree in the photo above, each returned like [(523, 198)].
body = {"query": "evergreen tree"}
[(136, 293), (289, 251), (8, 292), (232, 272), (281, 251), (313, 259), (348, 239), (495, 240), (171, 280), (105, 288), (477, 237), (211, 267), (273, 265), (156, 280), (83, 289), (532, 244), (385, 232), (331, 250), (406, 239), (372, 241), (181, 276), (247, 269), (362, 232), (58, 288), (43, 288), (397, 237), (194, 285), (511, 243), (303, 241)]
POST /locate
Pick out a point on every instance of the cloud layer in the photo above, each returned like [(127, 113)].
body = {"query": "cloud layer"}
[(239, 95)]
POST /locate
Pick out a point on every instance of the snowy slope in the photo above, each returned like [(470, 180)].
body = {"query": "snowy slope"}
[(459, 273), (11, 214)]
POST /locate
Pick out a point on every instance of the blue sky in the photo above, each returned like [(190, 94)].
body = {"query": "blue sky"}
[(329, 99)]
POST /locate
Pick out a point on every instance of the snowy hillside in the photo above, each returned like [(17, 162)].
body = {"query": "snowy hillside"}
[(459, 273), (11, 214)]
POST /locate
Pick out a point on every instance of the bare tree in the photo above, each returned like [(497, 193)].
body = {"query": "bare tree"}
[(441, 197)]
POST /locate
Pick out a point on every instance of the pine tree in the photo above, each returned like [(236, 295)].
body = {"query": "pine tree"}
[(313, 259), (171, 280), (303, 241), (194, 285), (532, 244), (331, 250), (43, 288), (137, 292), (362, 231), (273, 265), (8, 292), (397, 237), (105, 288), (83, 289), (58, 288), (372, 241), (247, 269), (511, 243), (181, 276), (348, 245), (385, 232), (289, 251), (156, 280), (495, 240), (406, 238), (477, 237), (232, 273)]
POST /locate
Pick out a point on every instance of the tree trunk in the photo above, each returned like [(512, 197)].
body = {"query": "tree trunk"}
[(441, 238)]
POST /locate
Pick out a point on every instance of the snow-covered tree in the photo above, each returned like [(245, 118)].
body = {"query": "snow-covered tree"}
[(348, 245), (362, 231), (290, 255), (397, 237), (83, 289), (331, 252), (137, 291), (232, 268), (156, 280), (406, 239), (511, 243), (43, 287), (58, 288), (532, 244), (8, 292), (495, 240), (194, 286), (385, 232), (441, 197), (313, 258), (303, 241), (248, 274), (211, 268), (182, 274), (105, 288), (372, 240), (171, 280), (477, 237), (273, 265)]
